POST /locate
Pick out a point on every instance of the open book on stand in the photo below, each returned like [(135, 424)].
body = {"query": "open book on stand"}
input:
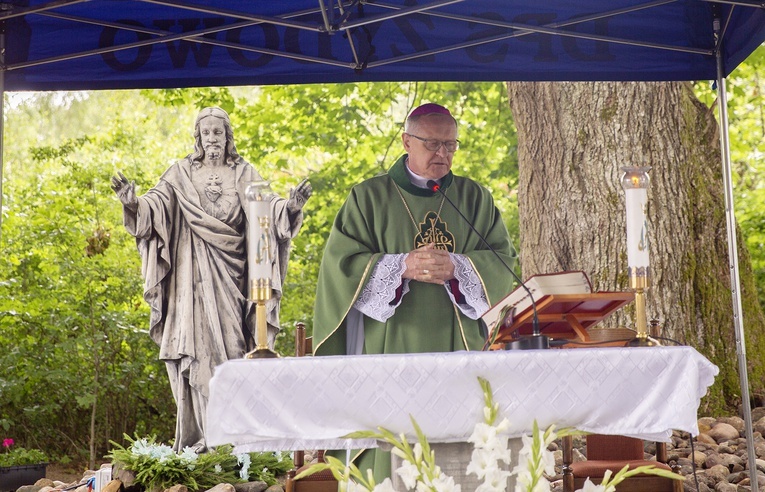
[(566, 307)]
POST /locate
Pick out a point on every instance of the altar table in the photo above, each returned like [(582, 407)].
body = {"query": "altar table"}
[(311, 402)]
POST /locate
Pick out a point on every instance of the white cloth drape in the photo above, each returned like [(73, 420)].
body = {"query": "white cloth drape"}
[(311, 402)]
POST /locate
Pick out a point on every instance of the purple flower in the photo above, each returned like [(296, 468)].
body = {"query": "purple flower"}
[(7, 443)]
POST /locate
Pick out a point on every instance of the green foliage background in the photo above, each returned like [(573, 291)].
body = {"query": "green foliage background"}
[(73, 324), (79, 368)]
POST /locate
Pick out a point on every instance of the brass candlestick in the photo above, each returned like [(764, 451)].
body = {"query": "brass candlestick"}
[(260, 292), (635, 182), (640, 281)]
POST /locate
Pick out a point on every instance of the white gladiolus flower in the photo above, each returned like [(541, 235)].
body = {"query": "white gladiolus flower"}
[(489, 460), (398, 453), (495, 481), (352, 486), (409, 474), (541, 486), (385, 486), (481, 463), (482, 435), (548, 462), (446, 484), (422, 487), (591, 487), (417, 449), (503, 426)]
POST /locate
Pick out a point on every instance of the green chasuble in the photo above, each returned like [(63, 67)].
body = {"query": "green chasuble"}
[(387, 214)]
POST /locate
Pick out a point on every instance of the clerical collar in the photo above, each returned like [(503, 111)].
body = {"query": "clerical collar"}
[(403, 178), (416, 179)]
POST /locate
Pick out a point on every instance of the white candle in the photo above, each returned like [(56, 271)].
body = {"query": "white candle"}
[(637, 232), (259, 221), (635, 183)]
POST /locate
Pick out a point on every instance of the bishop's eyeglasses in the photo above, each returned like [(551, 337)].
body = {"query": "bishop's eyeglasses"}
[(433, 145)]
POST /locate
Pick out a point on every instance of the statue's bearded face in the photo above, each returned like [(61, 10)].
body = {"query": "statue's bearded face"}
[(212, 134)]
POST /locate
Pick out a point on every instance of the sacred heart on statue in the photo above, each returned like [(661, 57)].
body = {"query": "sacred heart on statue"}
[(213, 189)]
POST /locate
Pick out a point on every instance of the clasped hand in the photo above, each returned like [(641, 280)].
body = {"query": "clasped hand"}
[(428, 264)]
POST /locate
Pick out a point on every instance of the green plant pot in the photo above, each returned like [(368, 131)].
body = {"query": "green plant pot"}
[(13, 477)]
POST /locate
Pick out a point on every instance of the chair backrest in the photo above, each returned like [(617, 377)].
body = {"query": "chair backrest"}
[(303, 344), (602, 447), (302, 347), (322, 481)]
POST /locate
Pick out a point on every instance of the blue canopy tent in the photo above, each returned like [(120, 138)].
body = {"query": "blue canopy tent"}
[(125, 44)]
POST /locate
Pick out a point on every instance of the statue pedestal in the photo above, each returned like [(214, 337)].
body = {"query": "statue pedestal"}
[(453, 458)]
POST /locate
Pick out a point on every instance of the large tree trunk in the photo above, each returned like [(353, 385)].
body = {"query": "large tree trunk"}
[(573, 139)]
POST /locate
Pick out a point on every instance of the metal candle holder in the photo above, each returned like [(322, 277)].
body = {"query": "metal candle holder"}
[(259, 262), (635, 182)]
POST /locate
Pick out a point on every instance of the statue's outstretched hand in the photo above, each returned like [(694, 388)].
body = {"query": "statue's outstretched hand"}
[(125, 191), (298, 196)]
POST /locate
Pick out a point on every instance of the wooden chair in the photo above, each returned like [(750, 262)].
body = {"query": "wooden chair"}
[(318, 482), (612, 453)]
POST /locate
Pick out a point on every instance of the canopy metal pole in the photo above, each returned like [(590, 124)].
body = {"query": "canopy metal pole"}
[(2, 118), (735, 281)]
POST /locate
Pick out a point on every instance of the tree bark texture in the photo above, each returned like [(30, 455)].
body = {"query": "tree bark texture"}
[(573, 140)]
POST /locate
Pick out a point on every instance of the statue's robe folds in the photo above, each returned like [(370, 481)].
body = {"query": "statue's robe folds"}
[(374, 220), (195, 281)]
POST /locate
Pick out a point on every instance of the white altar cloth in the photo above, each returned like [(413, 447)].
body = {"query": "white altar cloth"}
[(311, 402)]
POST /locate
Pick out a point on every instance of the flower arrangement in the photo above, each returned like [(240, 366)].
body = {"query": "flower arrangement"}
[(158, 467), (489, 460), (418, 472), (17, 456)]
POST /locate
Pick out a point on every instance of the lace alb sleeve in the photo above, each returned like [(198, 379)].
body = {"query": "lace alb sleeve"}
[(470, 286), (375, 299)]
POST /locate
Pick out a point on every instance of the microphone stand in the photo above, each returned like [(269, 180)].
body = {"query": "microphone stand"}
[(534, 341)]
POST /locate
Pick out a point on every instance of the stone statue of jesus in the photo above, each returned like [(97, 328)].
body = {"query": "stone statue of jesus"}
[(191, 232)]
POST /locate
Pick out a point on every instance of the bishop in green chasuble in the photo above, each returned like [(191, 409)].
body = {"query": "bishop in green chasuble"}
[(402, 272), (388, 214)]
